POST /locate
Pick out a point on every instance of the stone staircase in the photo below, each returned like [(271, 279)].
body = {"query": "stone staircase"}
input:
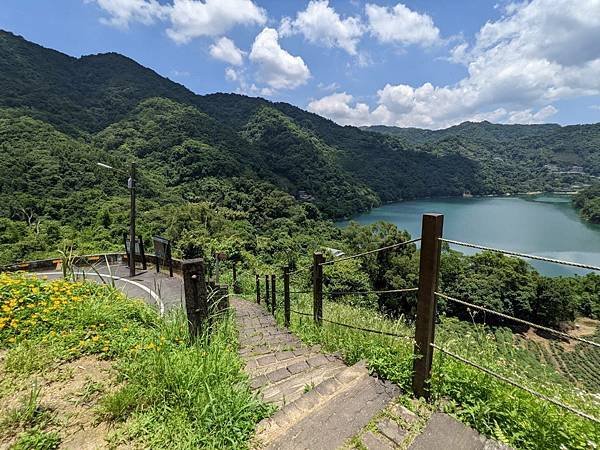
[(324, 404)]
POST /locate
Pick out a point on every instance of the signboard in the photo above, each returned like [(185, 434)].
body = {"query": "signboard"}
[(139, 248), (162, 250)]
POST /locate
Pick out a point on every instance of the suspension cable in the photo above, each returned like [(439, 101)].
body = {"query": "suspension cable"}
[(515, 319), (344, 258), (517, 385), (521, 255)]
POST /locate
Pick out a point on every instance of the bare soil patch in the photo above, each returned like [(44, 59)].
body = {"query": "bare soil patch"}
[(69, 394)]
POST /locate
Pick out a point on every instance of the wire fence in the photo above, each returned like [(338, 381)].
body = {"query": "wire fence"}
[(522, 255), (432, 345), (354, 327), (391, 291), (377, 250), (515, 384), (515, 319)]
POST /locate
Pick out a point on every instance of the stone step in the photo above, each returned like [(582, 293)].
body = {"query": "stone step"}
[(337, 419), (277, 425), (293, 387), (264, 364), (444, 431)]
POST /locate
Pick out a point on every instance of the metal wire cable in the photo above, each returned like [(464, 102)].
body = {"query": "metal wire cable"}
[(522, 255), (368, 330), (515, 319), (517, 385), (392, 291), (344, 258), (300, 313), (301, 269)]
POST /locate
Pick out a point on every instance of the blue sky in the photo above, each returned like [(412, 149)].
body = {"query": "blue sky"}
[(422, 63)]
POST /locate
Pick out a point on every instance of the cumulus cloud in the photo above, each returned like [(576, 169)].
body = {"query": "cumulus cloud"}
[(188, 19), (224, 49), (195, 18), (399, 24), (231, 74), (276, 67), (320, 24), (123, 12), (538, 53)]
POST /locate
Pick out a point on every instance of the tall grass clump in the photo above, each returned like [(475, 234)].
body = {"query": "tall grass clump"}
[(491, 406), (171, 391)]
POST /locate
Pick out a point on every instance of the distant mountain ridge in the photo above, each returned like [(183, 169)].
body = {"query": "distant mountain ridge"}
[(122, 110)]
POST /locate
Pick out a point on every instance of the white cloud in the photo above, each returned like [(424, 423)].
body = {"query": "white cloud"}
[(188, 19), (338, 106), (224, 49), (528, 116), (320, 24), (540, 52), (231, 74), (123, 12), (195, 18), (276, 67), (401, 25)]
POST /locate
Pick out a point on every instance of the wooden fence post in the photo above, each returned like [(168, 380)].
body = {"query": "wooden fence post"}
[(318, 260), (267, 293), (273, 293), (431, 247), (286, 296), (257, 289), (196, 299)]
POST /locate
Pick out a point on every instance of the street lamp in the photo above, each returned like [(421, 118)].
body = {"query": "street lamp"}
[(131, 186)]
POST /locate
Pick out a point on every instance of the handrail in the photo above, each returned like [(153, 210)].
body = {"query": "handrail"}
[(515, 319), (521, 255), (515, 384), (344, 258)]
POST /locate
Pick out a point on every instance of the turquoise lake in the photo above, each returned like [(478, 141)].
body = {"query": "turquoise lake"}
[(545, 225)]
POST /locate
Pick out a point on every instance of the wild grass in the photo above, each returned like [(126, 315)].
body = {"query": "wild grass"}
[(494, 408), (172, 392)]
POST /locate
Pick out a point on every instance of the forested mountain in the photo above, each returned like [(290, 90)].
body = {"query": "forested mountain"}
[(268, 161)]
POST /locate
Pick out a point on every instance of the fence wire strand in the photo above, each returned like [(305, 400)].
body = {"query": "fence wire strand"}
[(301, 269), (392, 291), (517, 385), (344, 258), (525, 322), (368, 330), (522, 255)]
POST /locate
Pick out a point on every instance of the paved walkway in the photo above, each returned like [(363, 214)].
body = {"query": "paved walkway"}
[(157, 289)]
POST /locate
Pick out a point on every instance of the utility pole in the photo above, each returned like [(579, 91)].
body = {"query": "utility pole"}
[(131, 185)]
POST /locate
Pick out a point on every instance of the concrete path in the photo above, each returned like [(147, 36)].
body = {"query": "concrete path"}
[(157, 289)]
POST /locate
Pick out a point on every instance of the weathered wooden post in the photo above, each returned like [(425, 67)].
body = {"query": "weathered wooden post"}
[(431, 247), (273, 293), (267, 294), (318, 260), (286, 296), (196, 298), (257, 289)]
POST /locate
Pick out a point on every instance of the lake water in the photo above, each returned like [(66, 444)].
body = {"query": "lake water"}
[(544, 225)]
